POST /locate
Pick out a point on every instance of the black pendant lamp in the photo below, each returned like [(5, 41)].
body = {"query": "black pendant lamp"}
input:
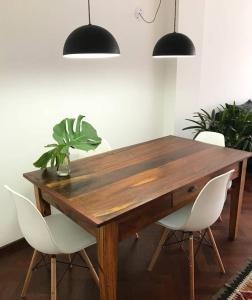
[(90, 41), (174, 44)]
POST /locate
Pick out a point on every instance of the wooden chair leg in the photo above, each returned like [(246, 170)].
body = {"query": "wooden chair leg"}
[(53, 278), (158, 249), (29, 274), (90, 266), (216, 251), (191, 267)]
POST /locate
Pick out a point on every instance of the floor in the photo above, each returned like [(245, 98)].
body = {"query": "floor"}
[(168, 280)]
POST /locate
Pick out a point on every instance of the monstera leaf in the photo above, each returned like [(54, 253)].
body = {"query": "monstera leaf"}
[(81, 135), (69, 133), (55, 156)]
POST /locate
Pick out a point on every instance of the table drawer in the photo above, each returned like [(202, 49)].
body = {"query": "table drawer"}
[(190, 192)]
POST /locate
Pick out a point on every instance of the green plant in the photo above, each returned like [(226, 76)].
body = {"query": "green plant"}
[(232, 121), (69, 133)]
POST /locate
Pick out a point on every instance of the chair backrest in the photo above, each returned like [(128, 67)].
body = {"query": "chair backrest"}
[(211, 137), (209, 203), (33, 225), (103, 147)]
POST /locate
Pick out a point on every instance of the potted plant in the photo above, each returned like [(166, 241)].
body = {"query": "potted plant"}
[(69, 133), (231, 120)]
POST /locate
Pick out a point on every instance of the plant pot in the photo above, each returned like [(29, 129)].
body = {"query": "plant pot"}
[(64, 168)]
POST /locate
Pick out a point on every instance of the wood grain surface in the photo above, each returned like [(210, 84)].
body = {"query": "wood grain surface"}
[(106, 187)]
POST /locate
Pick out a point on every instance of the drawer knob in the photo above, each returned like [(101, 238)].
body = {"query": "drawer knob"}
[(192, 189)]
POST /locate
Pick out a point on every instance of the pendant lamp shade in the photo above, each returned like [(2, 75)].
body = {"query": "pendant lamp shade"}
[(174, 45), (91, 41)]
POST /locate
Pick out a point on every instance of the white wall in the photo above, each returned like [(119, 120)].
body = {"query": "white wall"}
[(227, 52), (123, 98), (222, 70), (191, 23)]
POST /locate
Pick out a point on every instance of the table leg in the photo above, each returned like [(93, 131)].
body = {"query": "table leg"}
[(107, 260), (42, 205), (236, 200)]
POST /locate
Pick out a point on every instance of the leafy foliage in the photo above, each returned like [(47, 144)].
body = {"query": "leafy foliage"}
[(69, 133), (232, 121)]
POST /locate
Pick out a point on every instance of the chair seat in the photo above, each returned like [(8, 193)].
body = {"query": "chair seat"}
[(69, 236), (176, 220)]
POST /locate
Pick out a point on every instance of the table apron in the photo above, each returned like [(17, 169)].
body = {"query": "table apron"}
[(148, 214), (155, 210)]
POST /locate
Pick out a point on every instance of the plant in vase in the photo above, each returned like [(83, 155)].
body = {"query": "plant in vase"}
[(69, 133)]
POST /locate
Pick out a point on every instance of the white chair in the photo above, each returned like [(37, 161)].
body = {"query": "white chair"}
[(197, 216), (210, 137), (52, 235)]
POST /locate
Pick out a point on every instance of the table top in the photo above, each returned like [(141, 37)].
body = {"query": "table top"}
[(105, 187)]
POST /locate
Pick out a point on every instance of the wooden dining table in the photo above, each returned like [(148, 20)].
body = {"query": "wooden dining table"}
[(116, 194)]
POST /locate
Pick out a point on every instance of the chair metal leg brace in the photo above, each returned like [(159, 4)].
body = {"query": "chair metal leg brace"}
[(200, 243), (35, 264), (192, 256)]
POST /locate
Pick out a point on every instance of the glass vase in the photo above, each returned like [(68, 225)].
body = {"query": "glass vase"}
[(64, 168)]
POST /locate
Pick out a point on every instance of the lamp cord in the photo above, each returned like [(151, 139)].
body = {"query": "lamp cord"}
[(155, 16), (175, 16), (89, 17)]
